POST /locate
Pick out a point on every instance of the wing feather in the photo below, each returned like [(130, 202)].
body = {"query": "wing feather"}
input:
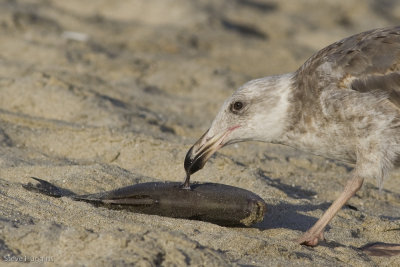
[(365, 62)]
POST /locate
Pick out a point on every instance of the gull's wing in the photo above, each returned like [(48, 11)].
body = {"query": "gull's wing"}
[(365, 62)]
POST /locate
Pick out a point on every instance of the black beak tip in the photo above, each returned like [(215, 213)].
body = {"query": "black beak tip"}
[(192, 163), (188, 160)]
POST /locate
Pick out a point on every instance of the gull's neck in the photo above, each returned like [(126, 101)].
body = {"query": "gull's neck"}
[(275, 120)]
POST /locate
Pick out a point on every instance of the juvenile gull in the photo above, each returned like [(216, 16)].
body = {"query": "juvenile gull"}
[(342, 103)]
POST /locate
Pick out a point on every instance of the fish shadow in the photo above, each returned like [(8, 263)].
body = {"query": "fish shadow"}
[(286, 215), (289, 216), (291, 191)]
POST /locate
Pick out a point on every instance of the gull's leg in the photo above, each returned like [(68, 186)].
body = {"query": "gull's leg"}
[(316, 233)]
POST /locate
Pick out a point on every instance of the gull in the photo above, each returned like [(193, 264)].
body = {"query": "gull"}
[(342, 103)]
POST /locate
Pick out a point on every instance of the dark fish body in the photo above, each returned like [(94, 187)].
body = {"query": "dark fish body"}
[(211, 202)]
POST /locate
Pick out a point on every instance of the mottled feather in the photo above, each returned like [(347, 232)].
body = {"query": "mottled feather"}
[(346, 102), (365, 62)]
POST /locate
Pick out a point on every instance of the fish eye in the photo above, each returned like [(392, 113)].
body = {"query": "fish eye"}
[(237, 106)]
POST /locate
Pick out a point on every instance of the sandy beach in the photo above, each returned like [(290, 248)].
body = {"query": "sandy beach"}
[(96, 95)]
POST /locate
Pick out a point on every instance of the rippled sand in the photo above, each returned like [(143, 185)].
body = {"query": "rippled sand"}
[(96, 95)]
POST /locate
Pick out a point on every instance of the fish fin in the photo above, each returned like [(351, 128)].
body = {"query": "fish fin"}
[(47, 188)]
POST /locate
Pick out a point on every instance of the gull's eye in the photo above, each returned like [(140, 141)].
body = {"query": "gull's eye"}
[(237, 106)]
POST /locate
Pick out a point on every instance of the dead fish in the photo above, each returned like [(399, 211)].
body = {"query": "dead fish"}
[(211, 202)]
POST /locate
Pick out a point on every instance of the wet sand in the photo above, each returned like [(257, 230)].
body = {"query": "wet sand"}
[(96, 95)]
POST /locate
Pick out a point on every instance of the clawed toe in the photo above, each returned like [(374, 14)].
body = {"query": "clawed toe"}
[(310, 239)]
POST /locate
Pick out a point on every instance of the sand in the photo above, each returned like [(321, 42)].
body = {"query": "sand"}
[(96, 95)]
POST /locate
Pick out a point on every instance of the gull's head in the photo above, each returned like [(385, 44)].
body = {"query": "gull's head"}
[(256, 111)]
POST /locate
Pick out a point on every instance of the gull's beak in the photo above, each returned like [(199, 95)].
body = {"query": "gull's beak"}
[(203, 149)]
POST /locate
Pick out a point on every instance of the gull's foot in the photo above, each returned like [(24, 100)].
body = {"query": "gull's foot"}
[(381, 249), (311, 238)]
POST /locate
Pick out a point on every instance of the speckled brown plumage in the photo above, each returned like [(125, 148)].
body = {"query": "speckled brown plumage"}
[(346, 92), (342, 103)]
